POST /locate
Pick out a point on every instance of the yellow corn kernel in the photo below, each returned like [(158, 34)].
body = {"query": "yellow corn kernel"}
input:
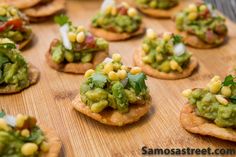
[(113, 76), (29, 149), (108, 68), (80, 28), (88, 73), (44, 147), (159, 48), (13, 11), (3, 125), (113, 11), (214, 87), (80, 38), (122, 74), (192, 8), (221, 100), (226, 91), (2, 11), (135, 70), (151, 34), (186, 93), (116, 57), (72, 36), (126, 5), (145, 48), (167, 36), (132, 12), (174, 65), (123, 67), (215, 78), (25, 133), (159, 57), (203, 7), (20, 119), (192, 16), (108, 10)]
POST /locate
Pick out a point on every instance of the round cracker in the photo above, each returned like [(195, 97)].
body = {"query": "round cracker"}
[(22, 4), (25, 42), (76, 68), (112, 36), (53, 140), (33, 78), (198, 125), (195, 42), (113, 117), (162, 13), (162, 75), (47, 9)]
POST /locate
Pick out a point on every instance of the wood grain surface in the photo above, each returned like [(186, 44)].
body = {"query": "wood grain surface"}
[(50, 99)]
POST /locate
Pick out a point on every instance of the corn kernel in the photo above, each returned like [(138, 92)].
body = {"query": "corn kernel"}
[(20, 120), (72, 36), (29, 149), (151, 34), (215, 78), (174, 65), (122, 74), (108, 10), (80, 28), (192, 16), (108, 68), (214, 87), (88, 73), (186, 93), (159, 48), (113, 76), (3, 125), (44, 147), (159, 57), (135, 70), (25, 133), (116, 57), (203, 8), (145, 48), (113, 11), (167, 36), (116, 66), (192, 8), (132, 12), (80, 38), (13, 11), (123, 67), (226, 91), (2, 11), (221, 100)]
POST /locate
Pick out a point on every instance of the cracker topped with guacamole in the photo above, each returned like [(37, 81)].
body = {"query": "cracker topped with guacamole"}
[(77, 50), (20, 136), (201, 26), (116, 22), (159, 8), (15, 73), (113, 93), (212, 110), (14, 25), (164, 56)]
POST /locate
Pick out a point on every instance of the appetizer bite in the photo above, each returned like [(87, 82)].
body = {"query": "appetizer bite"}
[(20, 136), (201, 26), (22, 4), (117, 22), (113, 94), (14, 25), (164, 56), (44, 10), (159, 8), (211, 111), (15, 73), (77, 51)]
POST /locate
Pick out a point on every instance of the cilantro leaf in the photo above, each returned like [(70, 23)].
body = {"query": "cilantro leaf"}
[(177, 39), (137, 82), (233, 99), (61, 19), (229, 80), (98, 80), (2, 114), (7, 46), (3, 19)]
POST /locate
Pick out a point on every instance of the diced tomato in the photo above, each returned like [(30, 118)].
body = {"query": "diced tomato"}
[(122, 11), (90, 41), (210, 36), (15, 24)]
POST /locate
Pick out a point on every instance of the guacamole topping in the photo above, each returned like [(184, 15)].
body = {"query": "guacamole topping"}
[(21, 137), (13, 24), (76, 44), (165, 52), (158, 4), (113, 85), (203, 21), (119, 18), (216, 102), (13, 67)]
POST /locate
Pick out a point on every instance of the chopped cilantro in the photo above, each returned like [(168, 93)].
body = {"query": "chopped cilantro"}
[(2, 114), (233, 99), (7, 46), (177, 39), (3, 19), (98, 80), (229, 80), (137, 82), (61, 19)]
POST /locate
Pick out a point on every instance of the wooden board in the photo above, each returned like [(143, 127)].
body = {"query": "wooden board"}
[(50, 99)]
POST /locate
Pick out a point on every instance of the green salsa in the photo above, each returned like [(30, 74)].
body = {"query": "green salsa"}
[(158, 4), (113, 85)]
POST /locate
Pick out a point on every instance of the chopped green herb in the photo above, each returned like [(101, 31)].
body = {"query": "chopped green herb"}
[(137, 82), (177, 39), (61, 19), (98, 80), (229, 80), (3, 19), (2, 114), (7, 46)]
